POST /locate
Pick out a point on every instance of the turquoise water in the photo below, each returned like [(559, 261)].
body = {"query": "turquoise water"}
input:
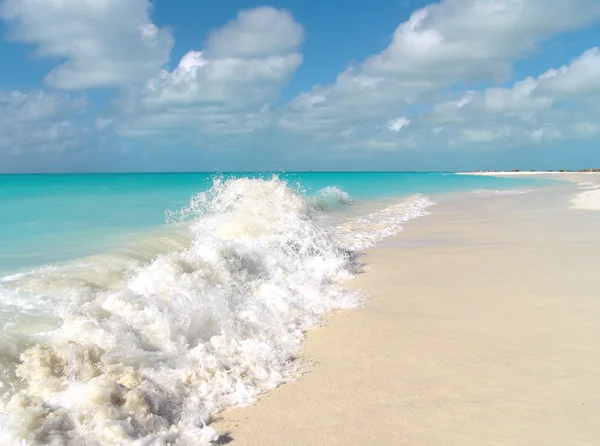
[(50, 218), (119, 329)]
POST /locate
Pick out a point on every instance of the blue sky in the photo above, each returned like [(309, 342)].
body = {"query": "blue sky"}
[(134, 85)]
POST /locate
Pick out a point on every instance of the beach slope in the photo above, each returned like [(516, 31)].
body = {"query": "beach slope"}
[(481, 328)]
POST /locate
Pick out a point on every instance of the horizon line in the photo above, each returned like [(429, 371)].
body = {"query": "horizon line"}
[(287, 171)]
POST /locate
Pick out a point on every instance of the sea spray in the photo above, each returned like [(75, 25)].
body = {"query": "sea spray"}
[(143, 347), (192, 332)]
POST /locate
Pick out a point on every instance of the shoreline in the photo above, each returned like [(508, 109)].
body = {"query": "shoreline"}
[(531, 172), (474, 333), (588, 198)]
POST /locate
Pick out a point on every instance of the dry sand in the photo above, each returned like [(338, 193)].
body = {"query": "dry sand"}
[(589, 198), (482, 328)]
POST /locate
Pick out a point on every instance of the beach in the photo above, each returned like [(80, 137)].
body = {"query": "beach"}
[(420, 297), (481, 327), (300, 223)]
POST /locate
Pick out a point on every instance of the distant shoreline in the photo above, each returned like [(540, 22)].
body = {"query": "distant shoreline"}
[(527, 172), (588, 197)]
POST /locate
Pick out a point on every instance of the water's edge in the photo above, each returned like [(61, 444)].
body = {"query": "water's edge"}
[(143, 344)]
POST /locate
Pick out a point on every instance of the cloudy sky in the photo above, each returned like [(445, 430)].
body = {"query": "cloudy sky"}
[(140, 85)]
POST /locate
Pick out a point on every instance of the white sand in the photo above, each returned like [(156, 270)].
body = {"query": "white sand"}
[(589, 182), (483, 328), (588, 199)]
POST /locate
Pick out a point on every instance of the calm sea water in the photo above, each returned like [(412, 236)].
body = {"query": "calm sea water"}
[(50, 218), (118, 328)]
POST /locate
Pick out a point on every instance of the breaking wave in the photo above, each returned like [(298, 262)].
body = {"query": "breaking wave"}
[(143, 346), (330, 198)]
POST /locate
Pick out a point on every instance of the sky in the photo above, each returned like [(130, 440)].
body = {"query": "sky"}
[(185, 85)]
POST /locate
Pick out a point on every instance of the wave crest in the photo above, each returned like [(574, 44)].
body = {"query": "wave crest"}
[(143, 347), (331, 198), (192, 332)]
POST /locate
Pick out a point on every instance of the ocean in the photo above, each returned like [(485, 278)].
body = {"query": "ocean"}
[(135, 306)]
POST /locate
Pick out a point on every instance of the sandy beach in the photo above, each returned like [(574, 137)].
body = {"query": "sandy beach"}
[(587, 198), (481, 327)]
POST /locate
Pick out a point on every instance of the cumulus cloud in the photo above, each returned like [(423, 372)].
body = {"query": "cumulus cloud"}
[(532, 100), (578, 79), (226, 88), (398, 124), (103, 43), (454, 41), (559, 105), (37, 121), (416, 94), (256, 33)]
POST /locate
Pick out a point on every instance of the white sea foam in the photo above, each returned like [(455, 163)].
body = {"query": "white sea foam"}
[(501, 191), (143, 346), (364, 232)]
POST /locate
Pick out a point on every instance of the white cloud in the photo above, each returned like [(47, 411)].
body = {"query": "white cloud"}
[(579, 81), (104, 43), (559, 105), (256, 33), (581, 77), (398, 124), (406, 97), (516, 99), (228, 87), (37, 121), (548, 131), (473, 40), (455, 41)]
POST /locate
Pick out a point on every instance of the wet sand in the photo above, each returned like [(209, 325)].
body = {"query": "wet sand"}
[(482, 328)]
